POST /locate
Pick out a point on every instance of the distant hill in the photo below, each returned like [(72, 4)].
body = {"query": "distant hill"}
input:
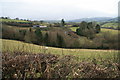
[(97, 19), (113, 19), (52, 21)]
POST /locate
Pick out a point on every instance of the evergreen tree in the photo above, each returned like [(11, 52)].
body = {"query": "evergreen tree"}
[(81, 29), (46, 39), (62, 22), (97, 28), (60, 41), (41, 22), (39, 36), (29, 36)]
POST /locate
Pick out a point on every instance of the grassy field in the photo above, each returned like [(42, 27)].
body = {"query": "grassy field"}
[(80, 54), (74, 28), (15, 27), (113, 25), (12, 20), (110, 30), (102, 30)]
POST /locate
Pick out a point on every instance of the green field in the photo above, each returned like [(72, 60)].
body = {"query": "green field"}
[(113, 25), (14, 27), (102, 30), (110, 30), (80, 54), (74, 28), (12, 20)]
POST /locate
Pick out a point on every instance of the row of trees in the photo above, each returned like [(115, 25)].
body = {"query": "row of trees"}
[(14, 18), (19, 24)]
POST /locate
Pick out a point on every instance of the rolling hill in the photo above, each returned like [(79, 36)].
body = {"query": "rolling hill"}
[(18, 46), (97, 19)]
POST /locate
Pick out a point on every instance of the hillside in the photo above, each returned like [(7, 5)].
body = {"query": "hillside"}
[(110, 25), (25, 53), (13, 20), (62, 37), (20, 58), (112, 31), (19, 46), (97, 19)]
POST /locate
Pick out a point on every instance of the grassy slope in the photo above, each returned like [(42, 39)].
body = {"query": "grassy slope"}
[(15, 27), (102, 30), (110, 30), (12, 20), (12, 45), (74, 28), (114, 25)]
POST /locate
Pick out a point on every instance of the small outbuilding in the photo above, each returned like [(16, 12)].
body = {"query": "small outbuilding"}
[(39, 26)]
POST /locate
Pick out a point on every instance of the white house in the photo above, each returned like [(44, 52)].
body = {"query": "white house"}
[(39, 26)]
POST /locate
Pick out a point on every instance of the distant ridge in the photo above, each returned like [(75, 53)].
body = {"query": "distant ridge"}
[(97, 19)]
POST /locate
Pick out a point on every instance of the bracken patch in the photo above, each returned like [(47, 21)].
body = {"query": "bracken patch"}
[(28, 65)]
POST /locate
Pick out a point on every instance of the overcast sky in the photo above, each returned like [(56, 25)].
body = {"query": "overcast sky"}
[(58, 9)]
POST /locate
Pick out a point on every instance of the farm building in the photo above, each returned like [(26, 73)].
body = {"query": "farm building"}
[(39, 26)]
